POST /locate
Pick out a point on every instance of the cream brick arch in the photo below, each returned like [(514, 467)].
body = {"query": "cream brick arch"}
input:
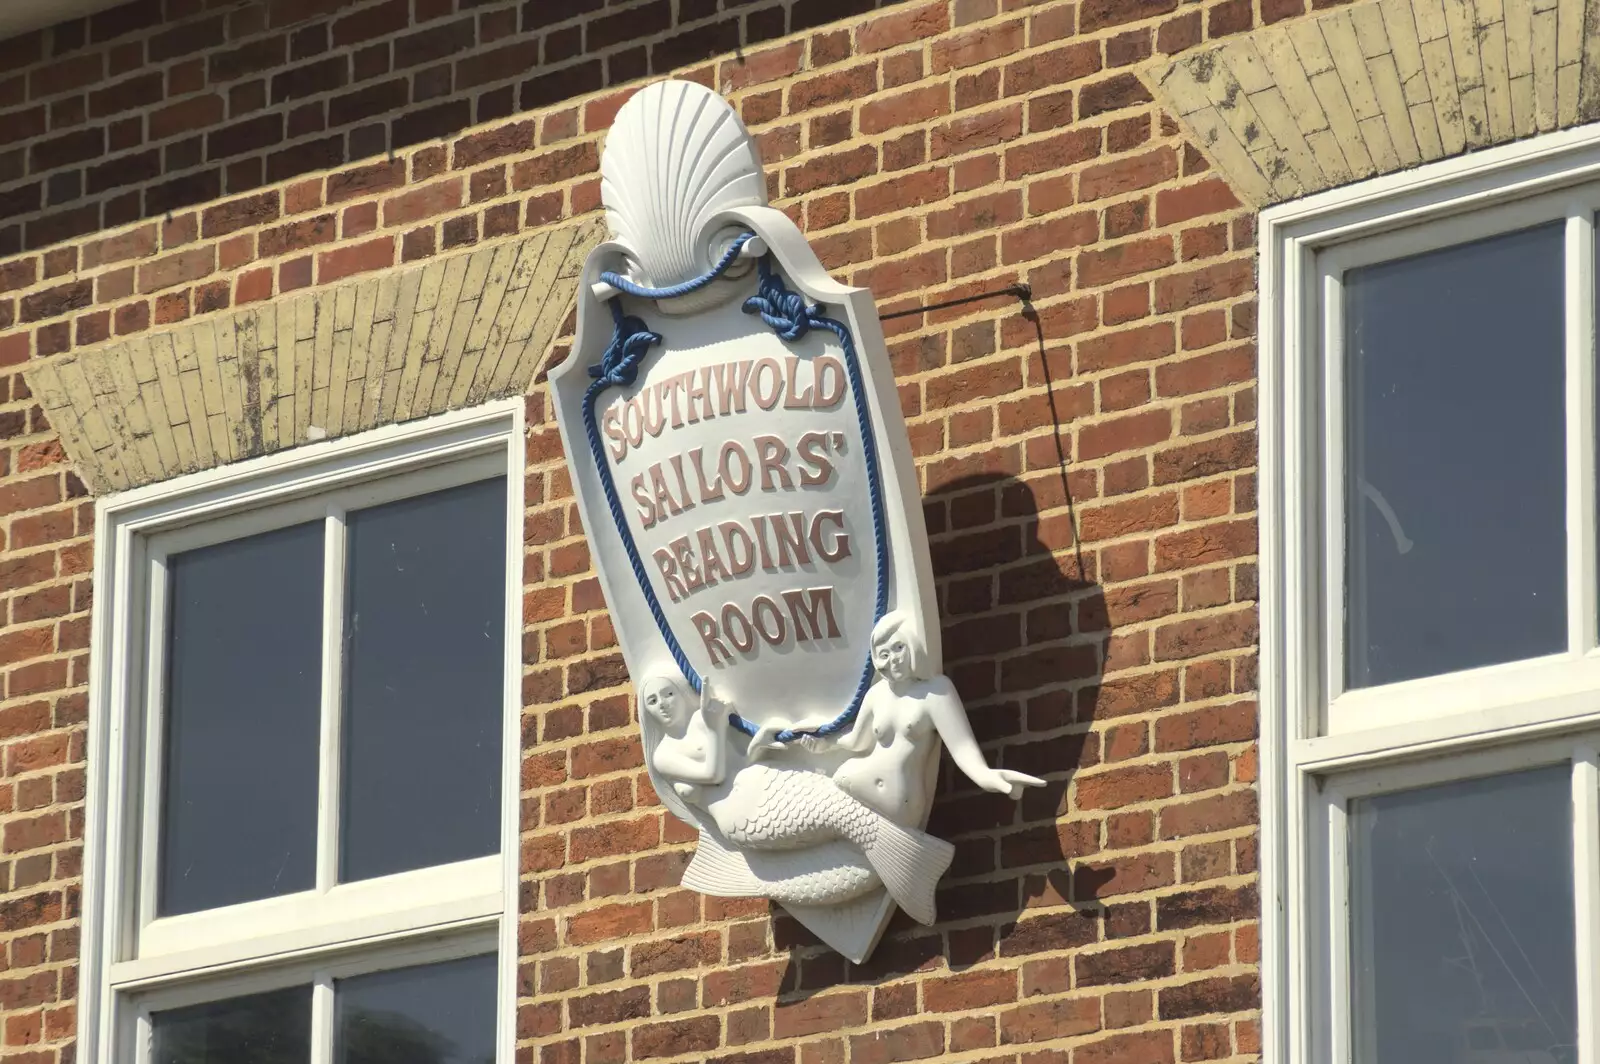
[(1384, 85), (394, 346)]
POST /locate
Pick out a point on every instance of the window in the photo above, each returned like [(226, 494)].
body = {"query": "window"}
[(1430, 676), (303, 754)]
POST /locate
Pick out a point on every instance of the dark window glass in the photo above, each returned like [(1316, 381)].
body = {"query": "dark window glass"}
[(1456, 459), (272, 1028), (424, 681), (239, 810), (433, 1014), (1463, 922)]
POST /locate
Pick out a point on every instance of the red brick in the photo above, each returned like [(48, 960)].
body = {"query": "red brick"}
[(1127, 175), (133, 244), (676, 1038), (916, 1041), (894, 28), (425, 202), (1048, 1020), (181, 268), (356, 258), (181, 117), (1052, 68), (826, 1012), (1049, 237), (615, 838), (1205, 727), (1111, 94), (1146, 1047), (758, 68), (1210, 284), (979, 382), (978, 213), (1206, 635), (906, 108), (836, 86), (1125, 786), (974, 132), (1105, 266), (979, 45), (898, 193), (238, 214), (1175, 205), (1127, 964), (1223, 812), (608, 923), (555, 167), (1129, 432), (1052, 153), (825, 171)]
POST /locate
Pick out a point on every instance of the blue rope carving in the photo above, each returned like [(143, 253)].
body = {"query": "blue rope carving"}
[(622, 284), (792, 317)]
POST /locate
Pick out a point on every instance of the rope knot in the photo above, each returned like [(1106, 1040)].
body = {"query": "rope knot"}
[(630, 342), (784, 311)]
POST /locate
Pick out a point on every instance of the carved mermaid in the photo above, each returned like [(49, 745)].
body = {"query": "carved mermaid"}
[(891, 734), (796, 836)]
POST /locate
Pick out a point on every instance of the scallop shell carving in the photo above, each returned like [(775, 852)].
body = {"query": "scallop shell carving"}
[(676, 155)]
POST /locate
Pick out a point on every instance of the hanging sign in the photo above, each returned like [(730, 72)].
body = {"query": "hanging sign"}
[(747, 486)]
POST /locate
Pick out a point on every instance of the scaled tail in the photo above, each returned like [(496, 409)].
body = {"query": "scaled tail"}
[(721, 872), (910, 863)]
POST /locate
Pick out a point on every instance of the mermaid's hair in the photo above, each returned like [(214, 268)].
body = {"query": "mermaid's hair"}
[(894, 621)]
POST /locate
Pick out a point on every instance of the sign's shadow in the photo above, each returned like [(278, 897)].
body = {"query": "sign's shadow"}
[(1025, 631)]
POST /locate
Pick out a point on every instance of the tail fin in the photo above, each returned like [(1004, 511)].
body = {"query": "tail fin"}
[(721, 872), (910, 863)]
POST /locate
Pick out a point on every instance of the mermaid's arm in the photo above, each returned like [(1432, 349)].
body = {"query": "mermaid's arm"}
[(855, 738), (711, 721), (949, 716)]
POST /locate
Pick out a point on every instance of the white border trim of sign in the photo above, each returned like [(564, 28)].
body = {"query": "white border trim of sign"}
[(492, 429)]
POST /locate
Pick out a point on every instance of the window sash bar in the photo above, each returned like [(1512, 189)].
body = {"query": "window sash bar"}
[(330, 751), (322, 1019), (1586, 895), (1341, 1034), (143, 1037), (1335, 593), (154, 737), (1583, 609)]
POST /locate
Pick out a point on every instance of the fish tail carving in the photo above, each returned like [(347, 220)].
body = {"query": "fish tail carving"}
[(910, 863)]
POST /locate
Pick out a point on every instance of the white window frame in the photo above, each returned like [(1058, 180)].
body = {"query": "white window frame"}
[(132, 963), (1320, 745)]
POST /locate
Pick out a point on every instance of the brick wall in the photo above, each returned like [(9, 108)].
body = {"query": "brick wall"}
[(1087, 461)]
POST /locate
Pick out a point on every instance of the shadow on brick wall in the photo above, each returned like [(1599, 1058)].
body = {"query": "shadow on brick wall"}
[(1025, 633), (1025, 637)]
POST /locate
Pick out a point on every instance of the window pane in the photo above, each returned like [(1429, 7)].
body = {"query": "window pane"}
[(434, 1014), (424, 681), (1463, 924), (272, 1028), (244, 659), (1455, 493)]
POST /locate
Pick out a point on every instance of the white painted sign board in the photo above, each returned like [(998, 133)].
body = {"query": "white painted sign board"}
[(747, 486)]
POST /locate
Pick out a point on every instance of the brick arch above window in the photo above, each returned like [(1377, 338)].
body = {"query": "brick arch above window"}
[(1381, 86), (403, 344)]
